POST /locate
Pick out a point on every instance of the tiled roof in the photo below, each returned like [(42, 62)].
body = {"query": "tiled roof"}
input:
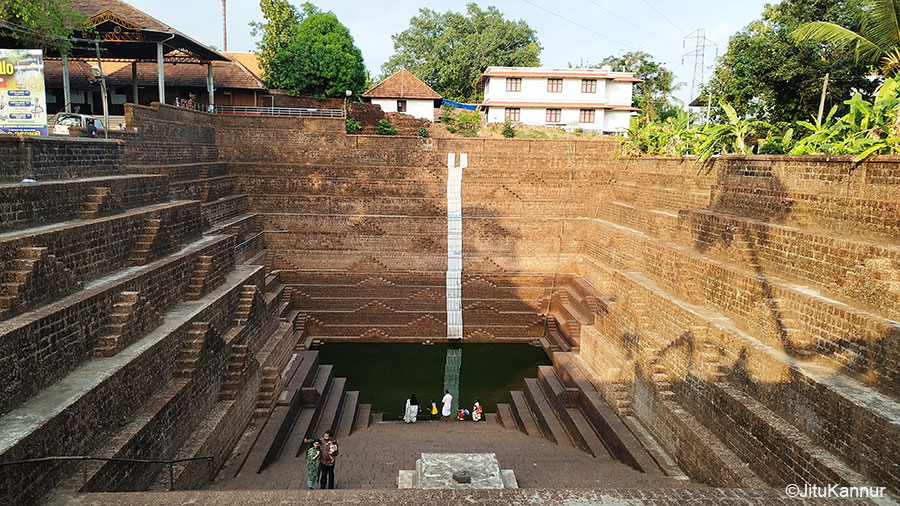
[(225, 75), (402, 84), (250, 61), (91, 8)]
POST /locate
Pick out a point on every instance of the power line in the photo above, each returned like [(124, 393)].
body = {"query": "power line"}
[(639, 27), (595, 32), (699, 55), (663, 16)]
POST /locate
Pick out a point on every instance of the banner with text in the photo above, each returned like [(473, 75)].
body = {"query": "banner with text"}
[(22, 97)]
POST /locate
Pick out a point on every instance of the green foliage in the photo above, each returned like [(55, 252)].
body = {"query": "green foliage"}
[(766, 74), (673, 137), (277, 33), (42, 24), (728, 137), (308, 52), (423, 132), (385, 127), (868, 128), (651, 96), (509, 131), (877, 37), (351, 126), (461, 121), (448, 51)]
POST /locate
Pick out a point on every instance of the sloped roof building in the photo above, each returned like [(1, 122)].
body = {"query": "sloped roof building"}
[(406, 93)]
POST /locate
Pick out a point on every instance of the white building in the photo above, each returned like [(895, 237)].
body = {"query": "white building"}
[(406, 93), (592, 99)]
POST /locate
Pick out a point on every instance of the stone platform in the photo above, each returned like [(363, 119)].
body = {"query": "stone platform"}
[(371, 458), (451, 471)]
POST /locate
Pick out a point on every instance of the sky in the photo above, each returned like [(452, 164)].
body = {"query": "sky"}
[(569, 30)]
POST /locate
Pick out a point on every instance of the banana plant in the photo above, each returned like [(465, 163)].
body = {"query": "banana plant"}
[(729, 137)]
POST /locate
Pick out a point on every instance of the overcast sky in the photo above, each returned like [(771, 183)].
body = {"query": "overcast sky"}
[(569, 30)]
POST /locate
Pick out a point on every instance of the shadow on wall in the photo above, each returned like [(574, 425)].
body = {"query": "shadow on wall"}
[(730, 196)]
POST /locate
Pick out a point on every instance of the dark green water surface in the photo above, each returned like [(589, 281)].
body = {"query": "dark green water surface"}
[(385, 374)]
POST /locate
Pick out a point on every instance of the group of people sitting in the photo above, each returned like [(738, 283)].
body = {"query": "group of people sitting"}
[(411, 413)]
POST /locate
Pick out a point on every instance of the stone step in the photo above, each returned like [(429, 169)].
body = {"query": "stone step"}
[(348, 415), (547, 421), (331, 410), (522, 414), (505, 416), (363, 416)]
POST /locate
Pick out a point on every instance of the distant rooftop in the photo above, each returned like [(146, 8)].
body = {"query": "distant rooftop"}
[(601, 73), (402, 84)]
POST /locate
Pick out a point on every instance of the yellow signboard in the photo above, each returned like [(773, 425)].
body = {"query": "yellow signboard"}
[(22, 95)]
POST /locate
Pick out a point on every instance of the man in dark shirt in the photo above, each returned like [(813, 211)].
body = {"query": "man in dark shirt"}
[(91, 128), (329, 454)]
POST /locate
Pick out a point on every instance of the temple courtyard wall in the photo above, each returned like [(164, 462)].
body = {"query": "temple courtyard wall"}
[(740, 317)]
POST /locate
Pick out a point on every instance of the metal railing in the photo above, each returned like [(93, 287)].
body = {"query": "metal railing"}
[(193, 105), (84, 460), (250, 110), (246, 110)]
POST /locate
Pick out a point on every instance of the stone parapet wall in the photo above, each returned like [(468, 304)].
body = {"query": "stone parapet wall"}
[(23, 205), (49, 158), (79, 247), (42, 346)]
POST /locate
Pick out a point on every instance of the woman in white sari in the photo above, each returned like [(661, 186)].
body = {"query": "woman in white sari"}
[(412, 409)]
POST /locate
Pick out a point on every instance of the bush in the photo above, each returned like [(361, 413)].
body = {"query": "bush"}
[(466, 123), (423, 132), (351, 126), (385, 127), (509, 131)]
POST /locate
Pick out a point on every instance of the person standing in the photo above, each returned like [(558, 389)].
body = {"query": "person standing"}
[(446, 408), (327, 460), (434, 410), (312, 462), (412, 409)]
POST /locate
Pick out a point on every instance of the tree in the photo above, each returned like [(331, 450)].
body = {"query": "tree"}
[(651, 96), (878, 37), (42, 24), (308, 51), (276, 33), (326, 63), (448, 51), (768, 75)]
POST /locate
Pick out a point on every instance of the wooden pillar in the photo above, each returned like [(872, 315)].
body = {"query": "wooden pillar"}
[(209, 84), (160, 73), (67, 92), (134, 86)]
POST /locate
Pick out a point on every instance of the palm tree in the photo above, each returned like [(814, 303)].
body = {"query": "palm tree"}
[(877, 40)]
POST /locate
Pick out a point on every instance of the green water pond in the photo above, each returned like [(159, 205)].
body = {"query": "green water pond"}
[(385, 374)]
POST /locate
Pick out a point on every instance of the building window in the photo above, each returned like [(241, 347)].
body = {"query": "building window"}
[(586, 116), (589, 86), (553, 115), (401, 106), (554, 85), (513, 84), (512, 114)]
